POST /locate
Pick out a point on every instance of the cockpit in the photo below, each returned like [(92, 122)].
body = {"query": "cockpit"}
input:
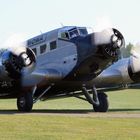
[(68, 33)]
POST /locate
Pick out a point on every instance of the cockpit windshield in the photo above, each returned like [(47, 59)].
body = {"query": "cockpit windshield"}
[(70, 33), (73, 33)]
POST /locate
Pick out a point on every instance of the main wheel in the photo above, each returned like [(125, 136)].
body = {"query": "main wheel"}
[(104, 104), (25, 102)]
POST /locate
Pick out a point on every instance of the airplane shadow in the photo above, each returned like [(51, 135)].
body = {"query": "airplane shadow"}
[(62, 111), (47, 111), (124, 110)]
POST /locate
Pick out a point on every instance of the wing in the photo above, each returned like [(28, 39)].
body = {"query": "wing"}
[(115, 75), (41, 76)]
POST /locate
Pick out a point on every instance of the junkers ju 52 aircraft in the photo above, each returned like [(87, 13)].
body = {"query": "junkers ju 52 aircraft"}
[(60, 63)]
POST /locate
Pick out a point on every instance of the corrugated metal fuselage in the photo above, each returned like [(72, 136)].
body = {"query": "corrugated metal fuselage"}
[(75, 62)]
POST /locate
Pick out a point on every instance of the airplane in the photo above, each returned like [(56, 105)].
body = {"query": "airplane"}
[(62, 63)]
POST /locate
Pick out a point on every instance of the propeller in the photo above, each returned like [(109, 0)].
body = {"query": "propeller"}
[(16, 58), (110, 40), (135, 59), (18, 62), (135, 51)]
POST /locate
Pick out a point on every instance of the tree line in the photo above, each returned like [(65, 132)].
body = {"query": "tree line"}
[(126, 51)]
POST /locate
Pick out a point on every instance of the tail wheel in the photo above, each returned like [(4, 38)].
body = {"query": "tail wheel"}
[(104, 104), (25, 102)]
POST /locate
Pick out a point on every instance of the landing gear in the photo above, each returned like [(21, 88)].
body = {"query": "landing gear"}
[(104, 104), (25, 102), (99, 100)]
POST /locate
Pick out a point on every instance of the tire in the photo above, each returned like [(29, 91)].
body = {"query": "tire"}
[(25, 102), (104, 104)]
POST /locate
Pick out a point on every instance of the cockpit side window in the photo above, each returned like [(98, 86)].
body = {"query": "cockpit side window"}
[(64, 35)]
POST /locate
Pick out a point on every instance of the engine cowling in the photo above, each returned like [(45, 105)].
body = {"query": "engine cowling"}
[(110, 40), (134, 64), (18, 62), (134, 68)]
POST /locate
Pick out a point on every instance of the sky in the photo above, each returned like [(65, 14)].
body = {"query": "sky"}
[(27, 18)]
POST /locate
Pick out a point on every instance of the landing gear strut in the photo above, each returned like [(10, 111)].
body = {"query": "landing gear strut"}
[(99, 100), (25, 102)]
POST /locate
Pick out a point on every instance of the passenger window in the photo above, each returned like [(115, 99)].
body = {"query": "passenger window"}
[(52, 45), (34, 50), (43, 48)]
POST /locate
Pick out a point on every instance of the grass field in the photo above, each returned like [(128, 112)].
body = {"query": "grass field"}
[(41, 125)]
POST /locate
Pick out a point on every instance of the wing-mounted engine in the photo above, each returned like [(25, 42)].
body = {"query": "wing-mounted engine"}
[(134, 65), (18, 62)]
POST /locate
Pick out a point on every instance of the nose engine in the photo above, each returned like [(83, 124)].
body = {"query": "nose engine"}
[(96, 51), (18, 62), (109, 41)]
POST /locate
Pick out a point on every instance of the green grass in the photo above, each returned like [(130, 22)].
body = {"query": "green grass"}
[(125, 100), (34, 127), (16, 126)]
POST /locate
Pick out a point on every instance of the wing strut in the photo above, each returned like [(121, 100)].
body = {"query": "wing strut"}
[(41, 95), (92, 100)]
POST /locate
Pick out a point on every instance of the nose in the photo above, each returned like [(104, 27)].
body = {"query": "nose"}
[(108, 42), (98, 50)]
